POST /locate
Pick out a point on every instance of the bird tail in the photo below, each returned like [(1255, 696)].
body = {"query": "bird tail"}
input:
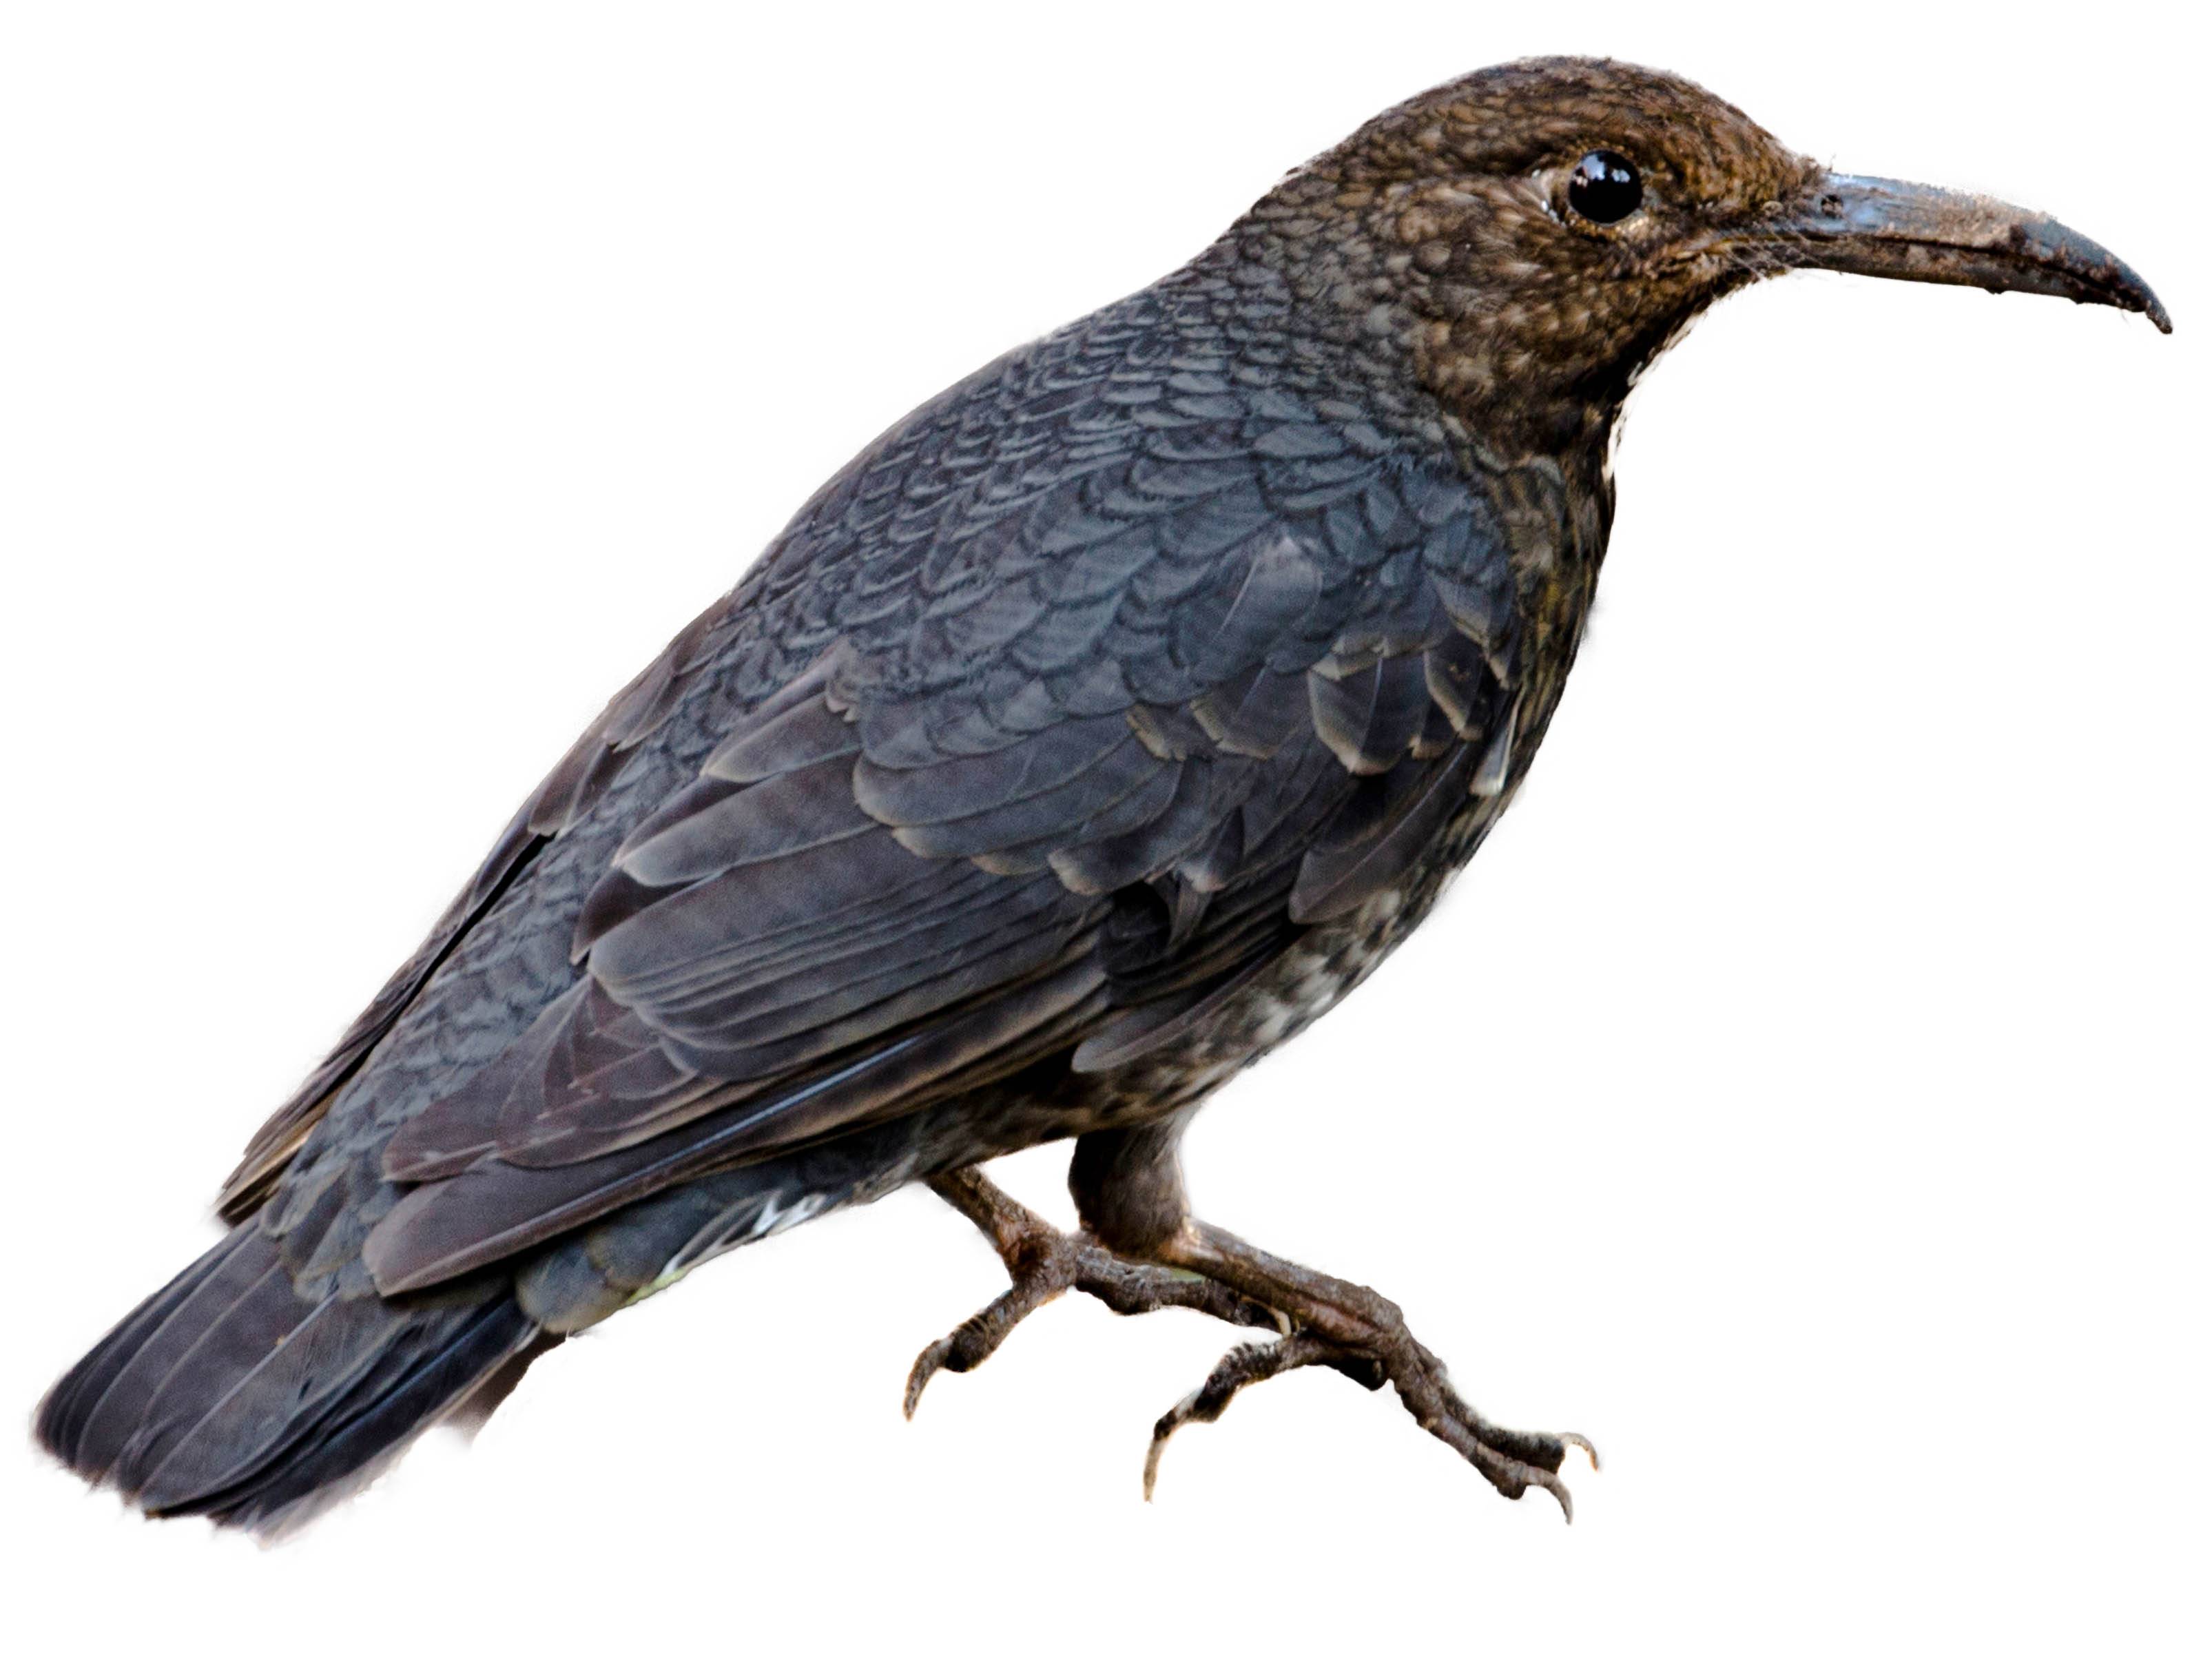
[(230, 1395)]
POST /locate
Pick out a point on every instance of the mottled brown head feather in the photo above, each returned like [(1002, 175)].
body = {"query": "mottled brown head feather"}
[(1524, 317)]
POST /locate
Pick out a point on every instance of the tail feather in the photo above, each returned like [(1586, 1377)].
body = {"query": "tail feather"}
[(70, 1404), (411, 1386), (262, 1373), (104, 1399), (228, 1393)]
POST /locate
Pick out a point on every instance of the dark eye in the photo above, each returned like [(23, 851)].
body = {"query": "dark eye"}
[(1605, 187)]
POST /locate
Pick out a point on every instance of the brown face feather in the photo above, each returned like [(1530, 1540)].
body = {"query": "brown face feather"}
[(1454, 232)]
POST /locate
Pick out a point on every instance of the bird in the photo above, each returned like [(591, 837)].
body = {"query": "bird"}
[(1098, 727)]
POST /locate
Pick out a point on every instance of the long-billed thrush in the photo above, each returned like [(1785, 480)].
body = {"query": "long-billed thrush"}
[(1089, 734)]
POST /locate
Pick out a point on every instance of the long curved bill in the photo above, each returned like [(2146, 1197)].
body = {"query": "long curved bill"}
[(1886, 227)]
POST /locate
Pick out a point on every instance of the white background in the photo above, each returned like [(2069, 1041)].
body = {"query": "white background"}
[(1803, 1094)]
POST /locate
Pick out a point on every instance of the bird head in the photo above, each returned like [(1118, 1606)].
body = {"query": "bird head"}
[(1536, 234)]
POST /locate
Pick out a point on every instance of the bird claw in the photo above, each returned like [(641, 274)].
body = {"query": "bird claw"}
[(1241, 1367), (976, 1338)]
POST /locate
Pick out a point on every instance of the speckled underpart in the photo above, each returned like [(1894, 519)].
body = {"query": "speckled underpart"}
[(1097, 729)]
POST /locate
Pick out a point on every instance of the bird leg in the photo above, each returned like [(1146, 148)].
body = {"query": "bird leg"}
[(1140, 1249), (1044, 1263)]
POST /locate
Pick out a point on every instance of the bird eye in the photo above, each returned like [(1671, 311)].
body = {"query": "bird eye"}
[(1605, 187)]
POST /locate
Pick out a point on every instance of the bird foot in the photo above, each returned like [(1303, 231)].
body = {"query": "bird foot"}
[(1320, 1320), (1510, 1459), (1352, 1329), (1044, 1263)]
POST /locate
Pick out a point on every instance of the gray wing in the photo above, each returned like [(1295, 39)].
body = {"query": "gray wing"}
[(1133, 668), (570, 790)]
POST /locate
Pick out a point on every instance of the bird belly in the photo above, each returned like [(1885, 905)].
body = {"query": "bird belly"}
[(1310, 977)]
